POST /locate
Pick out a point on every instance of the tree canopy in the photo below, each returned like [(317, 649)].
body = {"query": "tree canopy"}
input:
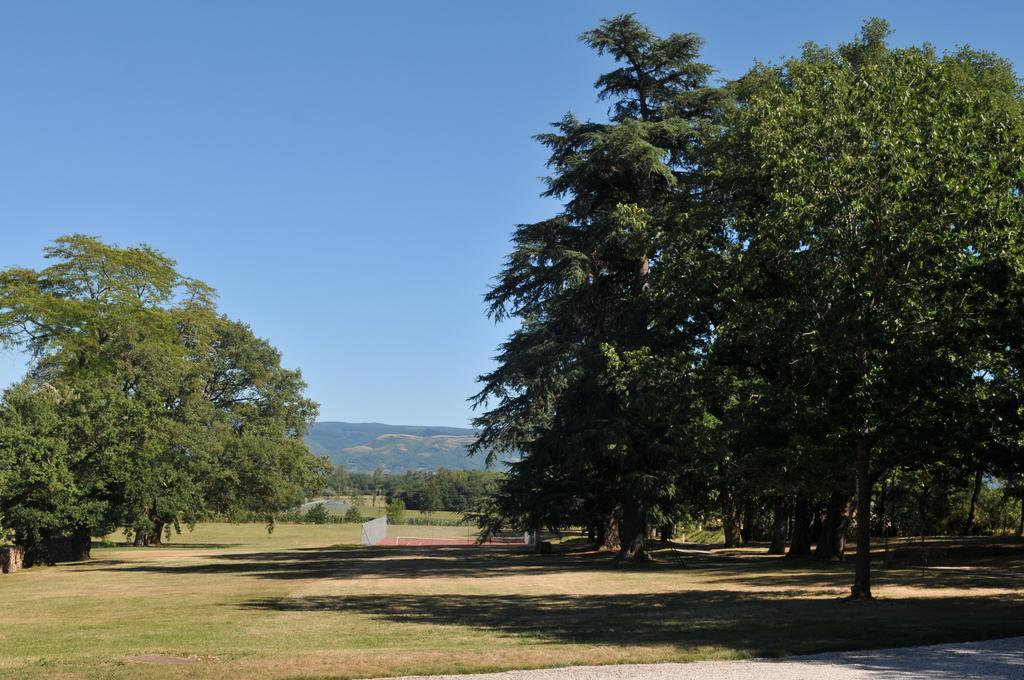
[(142, 407), (781, 290)]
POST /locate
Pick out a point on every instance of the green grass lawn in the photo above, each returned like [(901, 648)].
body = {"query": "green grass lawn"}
[(305, 602)]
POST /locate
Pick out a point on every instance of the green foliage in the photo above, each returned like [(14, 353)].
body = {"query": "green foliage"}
[(317, 515), (6, 535), (461, 490), (759, 301), (432, 501), (353, 515), (38, 490), (596, 451), (338, 482), (928, 502), (875, 198), (436, 521), (143, 408), (396, 511)]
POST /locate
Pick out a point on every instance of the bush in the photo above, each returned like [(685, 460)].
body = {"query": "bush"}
[(396, 511), (353, 515), (436, 521), (317, 514)]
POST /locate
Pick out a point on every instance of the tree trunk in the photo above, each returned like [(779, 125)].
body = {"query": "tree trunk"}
[(730, 518), (843, 533), (140, 538), (633, 537), (884, 519), (880, 509), (824, 548), (861, 589), (800, 545), (747, 532), (780, 521), (1020, 528), (81, 544), (157, 537), (608, 535), (972, 512), (667, 533), (816, 524), (832, 541)]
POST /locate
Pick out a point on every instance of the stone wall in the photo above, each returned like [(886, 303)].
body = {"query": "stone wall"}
[(11, 559)]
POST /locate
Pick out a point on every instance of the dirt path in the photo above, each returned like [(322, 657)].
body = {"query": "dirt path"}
[(989, 660)]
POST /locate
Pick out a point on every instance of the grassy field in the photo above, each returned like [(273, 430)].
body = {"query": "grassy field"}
[(370, 512), (368, 509), (304, 602)]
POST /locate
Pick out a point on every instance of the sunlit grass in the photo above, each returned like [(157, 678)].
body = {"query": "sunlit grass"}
[(304, 601)]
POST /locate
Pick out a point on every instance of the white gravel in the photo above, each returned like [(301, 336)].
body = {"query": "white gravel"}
[(989, 660)]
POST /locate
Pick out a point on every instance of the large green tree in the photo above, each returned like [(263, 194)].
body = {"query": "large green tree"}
[(165, 409), (880, 191), (38, 489)]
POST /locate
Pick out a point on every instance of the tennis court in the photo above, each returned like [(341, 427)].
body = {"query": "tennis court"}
[(379, 532), (454, 540)]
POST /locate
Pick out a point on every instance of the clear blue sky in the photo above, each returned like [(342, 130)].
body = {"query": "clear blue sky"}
[(346, 174)]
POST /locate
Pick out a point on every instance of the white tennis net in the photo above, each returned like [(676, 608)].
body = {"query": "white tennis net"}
[(374, 531)]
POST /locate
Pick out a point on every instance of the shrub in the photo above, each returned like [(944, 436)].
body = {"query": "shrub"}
[(317, 514), (436, 521), (396, 511)]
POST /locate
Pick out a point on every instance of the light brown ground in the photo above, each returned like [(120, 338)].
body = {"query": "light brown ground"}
[(289, 605)]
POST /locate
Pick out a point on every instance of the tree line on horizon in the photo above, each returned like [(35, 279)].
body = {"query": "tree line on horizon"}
[(425, 490), (795, 296)]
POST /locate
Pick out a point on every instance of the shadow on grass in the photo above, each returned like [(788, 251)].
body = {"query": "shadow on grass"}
[(809, 573), (759, 624), (166, 546), (471, 562), (387, 562), (755, 604)]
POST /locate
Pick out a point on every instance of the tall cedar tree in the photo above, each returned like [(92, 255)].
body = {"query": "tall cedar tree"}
[(594, 447)]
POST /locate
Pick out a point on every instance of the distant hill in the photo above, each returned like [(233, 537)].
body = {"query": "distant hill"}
[(399, 448)]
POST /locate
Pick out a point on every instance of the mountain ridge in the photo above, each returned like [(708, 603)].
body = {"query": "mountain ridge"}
[(362, 447)]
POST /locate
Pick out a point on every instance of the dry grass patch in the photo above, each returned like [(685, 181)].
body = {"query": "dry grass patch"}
[(301, 603)]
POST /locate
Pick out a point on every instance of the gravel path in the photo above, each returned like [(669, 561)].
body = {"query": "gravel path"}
[(989, 660)]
